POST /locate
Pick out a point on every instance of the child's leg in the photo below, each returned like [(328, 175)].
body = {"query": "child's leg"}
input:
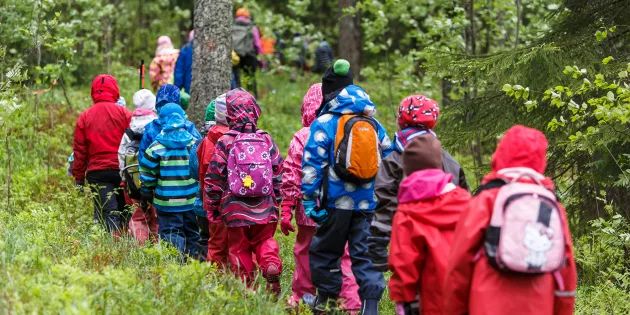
[(371, 282), (171, 229), (326, 250), (204, 236), (302, 283), (139, 227), (267, 254), (240, 252), (218, 244), (191, 233), (349, 288), (151, 217)]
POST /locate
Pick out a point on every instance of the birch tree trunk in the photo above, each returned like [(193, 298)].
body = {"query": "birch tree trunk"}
[(212, 48), (350, 38)]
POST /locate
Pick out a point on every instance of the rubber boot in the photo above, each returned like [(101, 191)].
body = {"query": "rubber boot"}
[(369, 307), (272, 274), (325, 304)]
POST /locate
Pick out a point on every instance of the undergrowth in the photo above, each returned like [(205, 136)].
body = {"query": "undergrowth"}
[(53, 259)]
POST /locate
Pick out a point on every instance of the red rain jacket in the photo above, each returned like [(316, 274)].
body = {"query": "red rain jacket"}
[(422, 233), (204, 155), (472, 285), (99, 130)]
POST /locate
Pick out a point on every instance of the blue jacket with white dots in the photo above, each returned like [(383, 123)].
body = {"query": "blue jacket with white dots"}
[(319, 156)]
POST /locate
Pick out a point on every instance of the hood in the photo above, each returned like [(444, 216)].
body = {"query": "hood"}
[(140, 120), (351, 100), (210, 112), (521, 147), (144, 99), (242, 111), (429, 197), (216, 132), (422, 185), (174, 134), (168, 93), (220, 110), (311, 102), (105, 89)]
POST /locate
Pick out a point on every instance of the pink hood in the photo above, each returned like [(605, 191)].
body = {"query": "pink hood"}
[(422, 185), (311, 102)]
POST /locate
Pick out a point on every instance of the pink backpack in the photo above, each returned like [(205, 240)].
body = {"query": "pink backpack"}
[(250, 172), (526, 233)]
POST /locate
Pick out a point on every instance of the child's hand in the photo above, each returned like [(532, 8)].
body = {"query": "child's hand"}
[(285, 225), (319, 215)]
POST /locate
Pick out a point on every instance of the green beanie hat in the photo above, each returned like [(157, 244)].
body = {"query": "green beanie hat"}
[(184, 100), (210, 111)]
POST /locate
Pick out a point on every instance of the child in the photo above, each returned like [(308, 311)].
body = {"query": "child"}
[(417, 115), (341, 159), (428, 210), (168, 184), (142, 225), (96, 140), (213, 240), (292, 199), (166, 94), (243, 187), (475, 283), (162, 67)]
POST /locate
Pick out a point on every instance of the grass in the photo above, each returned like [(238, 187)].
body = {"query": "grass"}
[(53, 259)]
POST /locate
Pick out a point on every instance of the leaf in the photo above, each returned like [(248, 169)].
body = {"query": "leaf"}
[(610, 96), (608, 60)]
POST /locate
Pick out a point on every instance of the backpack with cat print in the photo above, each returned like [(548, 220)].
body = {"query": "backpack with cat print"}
[(250, 172), (357, 149), (526, 232), (131, 172)]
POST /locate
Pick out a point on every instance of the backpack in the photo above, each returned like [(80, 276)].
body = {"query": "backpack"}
[(357, 149), (131, 170), (526, 233), (250, 172), (243, 38)]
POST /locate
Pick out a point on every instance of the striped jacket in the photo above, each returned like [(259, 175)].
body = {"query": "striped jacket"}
[(165, 171)]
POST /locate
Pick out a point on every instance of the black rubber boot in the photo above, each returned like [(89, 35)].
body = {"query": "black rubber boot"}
[(369, 307), (324, 304)]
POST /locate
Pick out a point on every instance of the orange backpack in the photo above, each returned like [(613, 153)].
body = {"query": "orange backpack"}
[(357, 149)]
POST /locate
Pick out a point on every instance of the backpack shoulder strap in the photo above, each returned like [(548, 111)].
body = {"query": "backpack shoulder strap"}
[(130, 133), (495, 183)]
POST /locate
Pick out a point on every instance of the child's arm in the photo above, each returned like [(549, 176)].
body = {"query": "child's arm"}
[(154, 73), (215, 180), (276, 162), (292, 177), (315, 161), (407, 253), (467, 243), (149, 171), (386, 142), (80, 152), (564, 297)]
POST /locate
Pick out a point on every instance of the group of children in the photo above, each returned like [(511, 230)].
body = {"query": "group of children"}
[(352, 191)]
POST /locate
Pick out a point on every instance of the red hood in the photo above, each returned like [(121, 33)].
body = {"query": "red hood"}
[(521, 147), (311, 102), (430, 198), (216, 132), (105, 89)]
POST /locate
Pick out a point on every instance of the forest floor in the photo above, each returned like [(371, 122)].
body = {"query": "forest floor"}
[(53, 259)]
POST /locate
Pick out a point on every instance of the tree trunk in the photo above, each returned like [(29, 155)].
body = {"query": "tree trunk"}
[(350, 37), (212, 49)]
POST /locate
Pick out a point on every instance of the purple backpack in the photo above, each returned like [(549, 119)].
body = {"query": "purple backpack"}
[(526, 232), (250, 172)]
